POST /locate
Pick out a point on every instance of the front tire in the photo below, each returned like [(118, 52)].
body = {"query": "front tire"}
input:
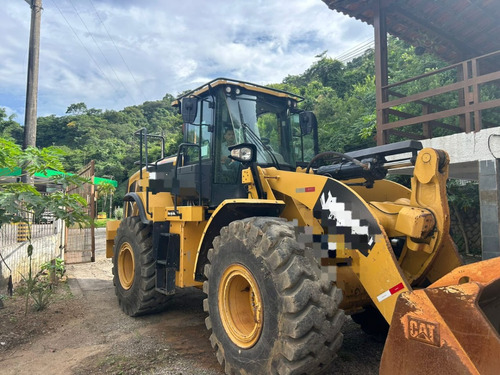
[(134, 269), (267, 309)]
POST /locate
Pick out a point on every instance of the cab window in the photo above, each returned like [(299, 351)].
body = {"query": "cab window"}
[(200, 133)]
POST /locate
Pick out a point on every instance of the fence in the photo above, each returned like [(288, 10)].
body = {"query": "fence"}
[(80, 243), (47, 240)]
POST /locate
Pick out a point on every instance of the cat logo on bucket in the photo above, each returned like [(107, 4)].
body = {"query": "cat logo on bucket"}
[(426, 332)]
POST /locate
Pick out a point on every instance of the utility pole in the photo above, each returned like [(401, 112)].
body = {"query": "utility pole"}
[(32, 85)]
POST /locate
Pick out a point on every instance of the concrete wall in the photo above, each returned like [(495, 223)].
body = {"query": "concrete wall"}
[(489, 198), (474, 156), (467, 149), (464, 147), (15, 255)]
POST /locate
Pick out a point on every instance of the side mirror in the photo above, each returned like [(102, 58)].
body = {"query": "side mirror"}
[(189, 107), (308, 122)]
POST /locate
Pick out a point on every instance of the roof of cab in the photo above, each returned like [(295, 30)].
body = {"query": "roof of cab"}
[(247, 85)]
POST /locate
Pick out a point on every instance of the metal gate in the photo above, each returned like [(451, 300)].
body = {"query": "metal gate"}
[(80, 243)]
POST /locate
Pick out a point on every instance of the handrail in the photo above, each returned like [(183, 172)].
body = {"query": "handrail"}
[(467, 86), (143, 137), (440, 70), (425, 75)]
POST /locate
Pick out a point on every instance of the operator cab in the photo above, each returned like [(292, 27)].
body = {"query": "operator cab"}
[(226, 114)]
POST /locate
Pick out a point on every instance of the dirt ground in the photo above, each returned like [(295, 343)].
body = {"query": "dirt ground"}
[(83, 331)]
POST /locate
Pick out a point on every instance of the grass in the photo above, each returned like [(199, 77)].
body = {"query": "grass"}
[(101, 223), (98, 223)]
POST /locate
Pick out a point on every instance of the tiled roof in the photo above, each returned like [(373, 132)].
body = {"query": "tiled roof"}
[(455, 30)]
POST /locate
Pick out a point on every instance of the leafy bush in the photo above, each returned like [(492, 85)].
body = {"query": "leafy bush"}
[(54, 268), (101, 223), (41, 293), (119, 213)]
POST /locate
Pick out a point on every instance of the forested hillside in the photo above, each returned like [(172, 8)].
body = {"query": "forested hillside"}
[(341, 95)]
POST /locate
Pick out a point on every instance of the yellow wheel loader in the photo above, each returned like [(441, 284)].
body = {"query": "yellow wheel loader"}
[(285, 242)]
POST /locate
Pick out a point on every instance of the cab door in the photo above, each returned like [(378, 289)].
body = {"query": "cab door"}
[(194, 166)]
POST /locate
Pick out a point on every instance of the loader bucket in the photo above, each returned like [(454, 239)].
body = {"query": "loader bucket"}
[(451, 327)]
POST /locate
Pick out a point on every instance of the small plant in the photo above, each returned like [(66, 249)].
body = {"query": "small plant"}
[(39, 287), (30, 280), (119, 213), (55, 268), (21, 288), (41, 293)]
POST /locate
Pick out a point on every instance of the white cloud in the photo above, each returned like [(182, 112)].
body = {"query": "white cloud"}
[(168, 47)]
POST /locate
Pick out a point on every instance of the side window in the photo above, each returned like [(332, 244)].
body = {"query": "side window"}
[(226, 169), (200, 133), (191, 154), (303, 145)]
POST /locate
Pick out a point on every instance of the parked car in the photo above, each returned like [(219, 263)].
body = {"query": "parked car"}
[(47, 217)]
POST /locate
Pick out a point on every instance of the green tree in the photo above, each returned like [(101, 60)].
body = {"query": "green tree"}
[(105, 190), (9, 128), (77, 109), (18, 200)]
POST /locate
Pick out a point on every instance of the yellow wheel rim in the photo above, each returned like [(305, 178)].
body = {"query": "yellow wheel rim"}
[(126, 266), (240, 306)]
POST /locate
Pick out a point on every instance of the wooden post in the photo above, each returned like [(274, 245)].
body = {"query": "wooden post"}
[(462, 75), (381, 70), (476, 94), (426, 125)]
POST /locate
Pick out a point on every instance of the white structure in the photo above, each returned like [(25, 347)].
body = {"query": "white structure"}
[(474, 156)]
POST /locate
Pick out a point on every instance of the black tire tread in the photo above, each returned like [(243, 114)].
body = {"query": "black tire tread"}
[(145, 299), (311, 322)]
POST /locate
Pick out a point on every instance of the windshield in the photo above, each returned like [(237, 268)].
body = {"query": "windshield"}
[(264, 121)]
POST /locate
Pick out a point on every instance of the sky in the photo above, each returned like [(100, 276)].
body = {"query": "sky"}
[(111, 54)]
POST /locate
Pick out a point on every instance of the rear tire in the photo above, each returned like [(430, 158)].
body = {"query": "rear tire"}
[(134, 273), (267, 309)]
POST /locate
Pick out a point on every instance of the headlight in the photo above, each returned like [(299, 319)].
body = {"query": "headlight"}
[(244, 153)]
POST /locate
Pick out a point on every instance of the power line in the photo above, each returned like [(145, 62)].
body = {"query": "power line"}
[(116, 47), (100, 50), (86, 49), (356, 51)]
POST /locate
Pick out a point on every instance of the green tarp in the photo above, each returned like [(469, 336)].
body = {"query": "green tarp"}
[(49, 172)]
